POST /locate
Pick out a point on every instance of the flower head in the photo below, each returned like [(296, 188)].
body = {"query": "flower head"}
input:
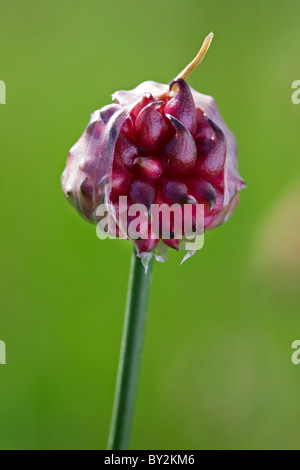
[(158, 144)]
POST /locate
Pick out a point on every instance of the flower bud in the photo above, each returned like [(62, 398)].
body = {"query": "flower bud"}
[(182, 106), (180, 151), (149, 167), (152, 127), (203, 192), (143, 192), (211, 153), (125, 152), (175, 192), (157, 144)]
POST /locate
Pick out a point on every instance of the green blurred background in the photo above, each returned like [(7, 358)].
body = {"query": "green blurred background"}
[(217, 370)]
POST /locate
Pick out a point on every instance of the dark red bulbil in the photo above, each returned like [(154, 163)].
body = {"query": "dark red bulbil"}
[(157, 144)]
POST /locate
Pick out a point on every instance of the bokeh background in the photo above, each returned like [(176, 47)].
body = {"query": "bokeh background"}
[(217, 370)]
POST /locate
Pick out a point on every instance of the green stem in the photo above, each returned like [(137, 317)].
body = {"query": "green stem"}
[(130, 356)]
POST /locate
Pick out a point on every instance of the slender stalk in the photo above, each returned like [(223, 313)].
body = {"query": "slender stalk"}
[(198, 59), (130, 355)]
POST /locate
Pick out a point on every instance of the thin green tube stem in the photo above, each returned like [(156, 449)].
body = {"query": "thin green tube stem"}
[(130, 355)]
